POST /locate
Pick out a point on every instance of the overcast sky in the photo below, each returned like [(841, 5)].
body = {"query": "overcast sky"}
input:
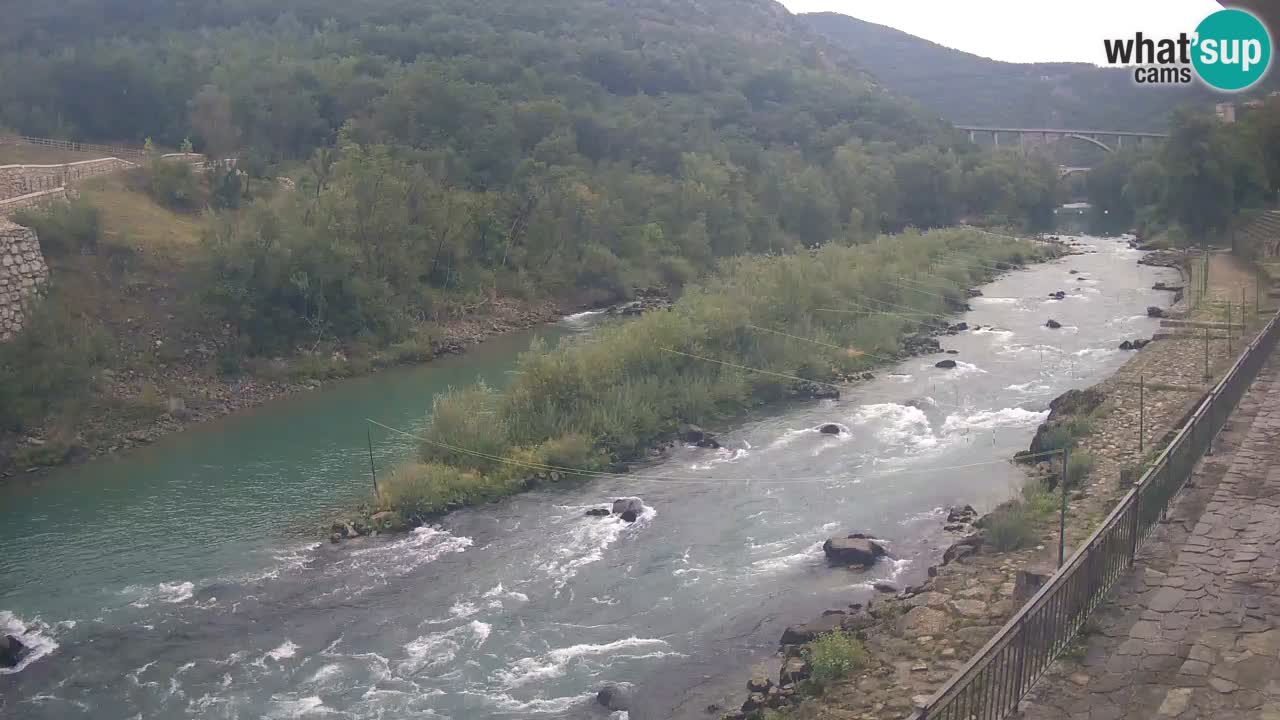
[(1024, 30)]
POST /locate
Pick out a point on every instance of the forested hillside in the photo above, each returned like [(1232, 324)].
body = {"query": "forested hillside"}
[(403, 165), (971, 90), (451, 148)]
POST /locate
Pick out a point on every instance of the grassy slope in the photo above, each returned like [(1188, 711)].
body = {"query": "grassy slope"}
[(129, 289), (36, 155)]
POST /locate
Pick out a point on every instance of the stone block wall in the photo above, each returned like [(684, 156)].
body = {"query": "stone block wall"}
[(10, 206), (22, 275), (18, 180)]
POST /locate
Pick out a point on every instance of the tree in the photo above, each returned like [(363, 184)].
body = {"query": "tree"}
[(1200, 190), (211, 119)]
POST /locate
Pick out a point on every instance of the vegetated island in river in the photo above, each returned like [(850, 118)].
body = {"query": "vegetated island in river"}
[(761, 329)]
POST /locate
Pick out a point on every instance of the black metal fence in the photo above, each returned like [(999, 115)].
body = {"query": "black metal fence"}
[(990, 686)]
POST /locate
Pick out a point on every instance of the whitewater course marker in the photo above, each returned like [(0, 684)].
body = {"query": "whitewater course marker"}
[(990, 686)]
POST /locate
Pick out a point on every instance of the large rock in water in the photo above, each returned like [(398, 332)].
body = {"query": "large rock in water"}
[(628, 505), (695, 435), (945, 364), (853, 551), (830, 429), (815, 390), (12, 651), (614, 697)]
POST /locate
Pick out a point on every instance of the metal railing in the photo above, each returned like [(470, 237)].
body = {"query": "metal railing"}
[(116, 150), (990, 686)]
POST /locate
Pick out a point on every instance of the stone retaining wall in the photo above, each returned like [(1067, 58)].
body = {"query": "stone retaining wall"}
[(19, 180), (22, 274), (10, 206)]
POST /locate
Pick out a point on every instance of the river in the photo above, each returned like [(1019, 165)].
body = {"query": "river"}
[(185, 579)]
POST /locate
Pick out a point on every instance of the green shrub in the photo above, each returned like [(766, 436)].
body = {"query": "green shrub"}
[(833, 656), (1078, 466), (1011, 527), (466, 429), (576, 452), (418, 347), (64, 228), (172, 183), (1039, 500), (429, 488), (49, 364)]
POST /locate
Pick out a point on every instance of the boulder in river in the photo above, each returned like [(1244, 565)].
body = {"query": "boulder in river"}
[(959, 327), (598, 512), (695, 435), (12, 651), (1053, 324), (1155, 312), (945, 364), (853, 551), (962, 549), (1133, 344), (920, 345), (614, 697), (830, 429), (1073, 272), (815, 390), (1059, 295), (973, 293), (628, 504), (629, 516)]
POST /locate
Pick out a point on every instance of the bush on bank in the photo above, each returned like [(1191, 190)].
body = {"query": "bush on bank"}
[(595, 402)]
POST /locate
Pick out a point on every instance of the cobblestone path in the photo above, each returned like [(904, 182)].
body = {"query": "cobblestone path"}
[(1193, 631)]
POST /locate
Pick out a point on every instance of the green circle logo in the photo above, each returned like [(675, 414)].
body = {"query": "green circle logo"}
[(1232, 51)]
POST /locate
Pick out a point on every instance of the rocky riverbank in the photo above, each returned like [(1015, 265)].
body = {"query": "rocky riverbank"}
[(918, 638), (129, 411)]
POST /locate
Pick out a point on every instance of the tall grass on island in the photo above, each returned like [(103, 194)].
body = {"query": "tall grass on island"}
[(761, 329)]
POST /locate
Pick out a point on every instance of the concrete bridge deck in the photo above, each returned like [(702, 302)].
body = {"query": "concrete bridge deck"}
[(1193, 631)]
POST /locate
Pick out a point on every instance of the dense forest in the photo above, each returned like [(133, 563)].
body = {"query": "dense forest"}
[(1200, 184), (970, 90), (448, 149)]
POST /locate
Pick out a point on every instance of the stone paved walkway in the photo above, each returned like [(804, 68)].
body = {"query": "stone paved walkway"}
[(1193, 631)]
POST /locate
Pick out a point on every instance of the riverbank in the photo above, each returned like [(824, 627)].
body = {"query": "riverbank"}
[(726, 552), (917, 639), (130, 411), (762, 329)]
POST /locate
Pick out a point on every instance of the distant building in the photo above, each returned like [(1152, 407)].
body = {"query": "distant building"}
[(1226, 112)]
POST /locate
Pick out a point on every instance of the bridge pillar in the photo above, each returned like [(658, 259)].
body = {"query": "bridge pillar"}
[(1119, 141), (971, 139), (995, 138)]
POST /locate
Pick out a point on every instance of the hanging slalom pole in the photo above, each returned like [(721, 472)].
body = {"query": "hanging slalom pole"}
[(373, 473), (1062, 517), (1142, 412), (1207, 376)]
